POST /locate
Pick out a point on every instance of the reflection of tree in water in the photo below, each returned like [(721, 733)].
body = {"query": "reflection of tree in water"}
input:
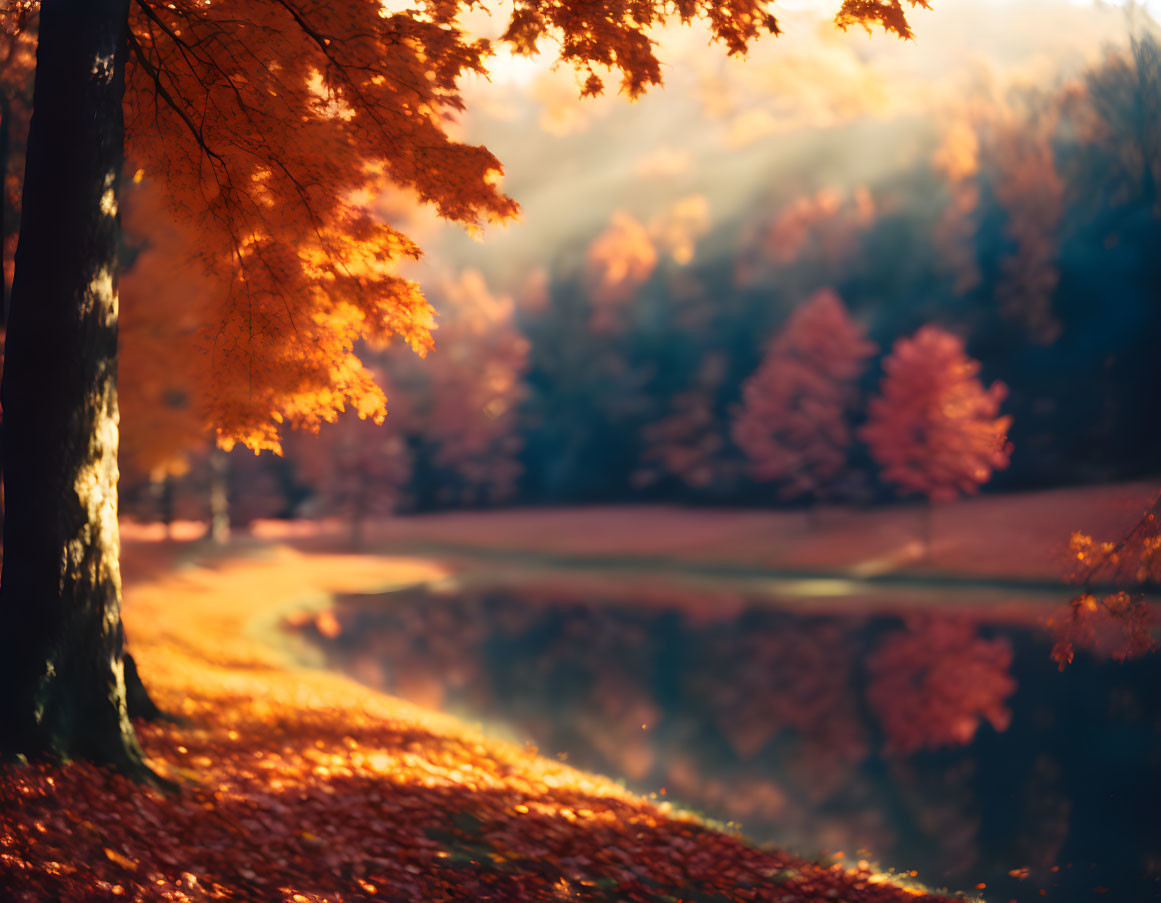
[(934, 683), (425, 653), (852, 733), (593, 666), (784, 677), (782, 696)]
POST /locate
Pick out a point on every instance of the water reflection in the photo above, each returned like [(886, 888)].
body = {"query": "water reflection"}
[(939, 743)]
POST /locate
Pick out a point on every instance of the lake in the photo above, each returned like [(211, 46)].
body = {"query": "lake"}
[(942, 744)]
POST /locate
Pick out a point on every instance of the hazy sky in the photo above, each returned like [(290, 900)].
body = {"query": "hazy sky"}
[(816, 108)]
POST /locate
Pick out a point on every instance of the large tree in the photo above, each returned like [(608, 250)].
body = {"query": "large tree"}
[(270, 124), (60, 656)]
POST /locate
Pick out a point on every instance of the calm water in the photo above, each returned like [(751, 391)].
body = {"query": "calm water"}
[(947, 746)]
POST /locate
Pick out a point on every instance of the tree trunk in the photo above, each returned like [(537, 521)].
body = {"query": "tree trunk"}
[(219, 496), (61, 665), (163, 490), (359, 487)]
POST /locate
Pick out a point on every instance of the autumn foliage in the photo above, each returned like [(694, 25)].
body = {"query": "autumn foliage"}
[(274, 127), (164, 305), (825, 225), (794, 421), (890, 14), (357, 468), (934, 429), (464, 401), (1118, 624), (619, 260)]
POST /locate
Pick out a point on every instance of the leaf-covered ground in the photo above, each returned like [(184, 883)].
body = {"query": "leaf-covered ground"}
[(299, 785)]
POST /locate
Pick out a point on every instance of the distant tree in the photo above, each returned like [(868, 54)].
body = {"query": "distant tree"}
[(219, 495), (794, 420), (934, 430), (688, 441), (463, 404), (1030, 190), (587, 400), (957, 160), (356, 468), (619, 260), (823, 228), (1118, 116)]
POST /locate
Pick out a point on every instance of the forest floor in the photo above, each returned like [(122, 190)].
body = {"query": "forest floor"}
[(300, 785)]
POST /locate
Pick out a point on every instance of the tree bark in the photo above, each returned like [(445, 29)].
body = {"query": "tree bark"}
[(62, 683)]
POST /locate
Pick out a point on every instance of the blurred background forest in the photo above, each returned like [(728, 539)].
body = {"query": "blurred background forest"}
[(601, 350)]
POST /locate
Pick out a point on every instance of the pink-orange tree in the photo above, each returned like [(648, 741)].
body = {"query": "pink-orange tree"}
[(464, 401), (934, 429), (270, 122), (794, 420), (357, 469)]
